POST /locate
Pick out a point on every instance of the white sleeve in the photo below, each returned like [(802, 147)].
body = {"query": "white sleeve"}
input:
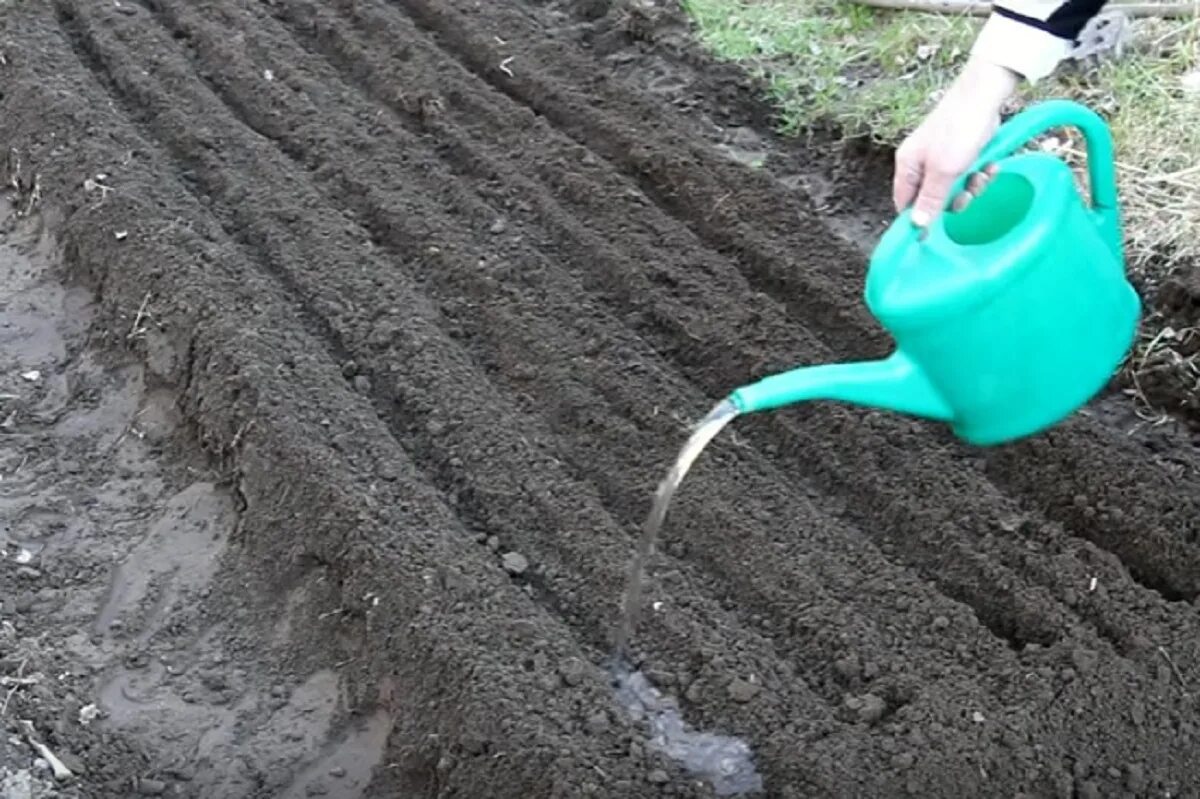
[(1031, 37)]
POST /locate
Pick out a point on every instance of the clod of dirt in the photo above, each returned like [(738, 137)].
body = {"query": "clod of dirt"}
[(1135, 777), (743, 691), (869, 708), (598, 723), (515, 563), (1085, 660), (151, 787)]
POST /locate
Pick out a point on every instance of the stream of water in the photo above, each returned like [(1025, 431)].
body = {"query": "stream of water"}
[(725, 762), (709, 426)]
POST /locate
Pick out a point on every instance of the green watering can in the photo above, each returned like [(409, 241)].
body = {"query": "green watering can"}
[(1008, 315)]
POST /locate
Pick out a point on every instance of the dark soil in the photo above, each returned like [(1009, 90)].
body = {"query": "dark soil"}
[(384, 321)]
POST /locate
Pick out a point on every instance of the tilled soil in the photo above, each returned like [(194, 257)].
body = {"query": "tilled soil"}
[(426, 294)]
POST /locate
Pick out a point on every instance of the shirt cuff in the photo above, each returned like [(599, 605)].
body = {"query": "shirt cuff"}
[(1030, 52)]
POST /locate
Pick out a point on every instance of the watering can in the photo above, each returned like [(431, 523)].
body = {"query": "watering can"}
[(1008, 315)]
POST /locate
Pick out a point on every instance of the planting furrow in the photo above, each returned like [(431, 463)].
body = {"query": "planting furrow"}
[(502, 342), (814, 608), (622, 280), (461, 429), (1030, 622), (305, 465), (444, 347), (721, 206), (487, 478)]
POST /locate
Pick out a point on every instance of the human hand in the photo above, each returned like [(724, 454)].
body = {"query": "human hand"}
[(949, 140)]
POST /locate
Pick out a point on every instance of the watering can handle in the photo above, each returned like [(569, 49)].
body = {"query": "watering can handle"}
[(1041, 118)]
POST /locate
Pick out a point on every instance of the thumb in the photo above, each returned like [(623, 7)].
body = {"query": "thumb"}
[(906, 179), (932, 199)]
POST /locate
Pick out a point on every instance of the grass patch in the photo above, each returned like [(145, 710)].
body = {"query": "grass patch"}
[(876, 73)]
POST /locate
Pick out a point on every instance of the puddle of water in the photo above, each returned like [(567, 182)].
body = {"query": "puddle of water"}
[(183, 544), (36, 314), (350, 764), (724, 762)]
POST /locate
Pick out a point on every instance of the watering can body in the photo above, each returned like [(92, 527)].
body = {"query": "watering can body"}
[(1008, 315)]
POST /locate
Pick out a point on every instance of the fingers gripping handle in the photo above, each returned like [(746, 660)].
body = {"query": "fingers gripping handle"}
[(1038, 119)]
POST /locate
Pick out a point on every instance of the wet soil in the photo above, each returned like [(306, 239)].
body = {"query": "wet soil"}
[(364, 331)]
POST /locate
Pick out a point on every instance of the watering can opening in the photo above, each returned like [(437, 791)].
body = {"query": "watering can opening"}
[(998, 210)]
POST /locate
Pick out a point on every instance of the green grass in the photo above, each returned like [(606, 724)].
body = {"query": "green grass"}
[(876, 72)]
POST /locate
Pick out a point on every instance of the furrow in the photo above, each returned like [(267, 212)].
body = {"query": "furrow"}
[(1160, 557), (1027, 624), (622, 281), (476, 438), (780, 606), (425, 327), (449, 627)]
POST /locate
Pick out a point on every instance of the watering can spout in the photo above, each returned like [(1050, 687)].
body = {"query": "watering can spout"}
[(894, 383)]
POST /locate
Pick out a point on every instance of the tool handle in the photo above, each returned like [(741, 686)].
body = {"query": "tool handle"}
[(1043, 117)]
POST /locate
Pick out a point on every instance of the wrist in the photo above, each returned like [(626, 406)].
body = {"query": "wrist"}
[(986, 82)]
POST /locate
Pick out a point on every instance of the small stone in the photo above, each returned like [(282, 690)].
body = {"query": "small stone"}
[(572, 671), (1135, 777), (1085, 660), (872, 708), (941, 623), (1088, 790), (903, 760), (695, 692), (498, 227), (515, 563), (362, 384), (337, 772), (493, 543), (847, 668), (1064, 785), (72, 761), (349, 369), (148, 787), (597, 723), (743, 690), (658, 776)]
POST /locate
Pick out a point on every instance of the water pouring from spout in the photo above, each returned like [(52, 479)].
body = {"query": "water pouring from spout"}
[(704, 432)]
